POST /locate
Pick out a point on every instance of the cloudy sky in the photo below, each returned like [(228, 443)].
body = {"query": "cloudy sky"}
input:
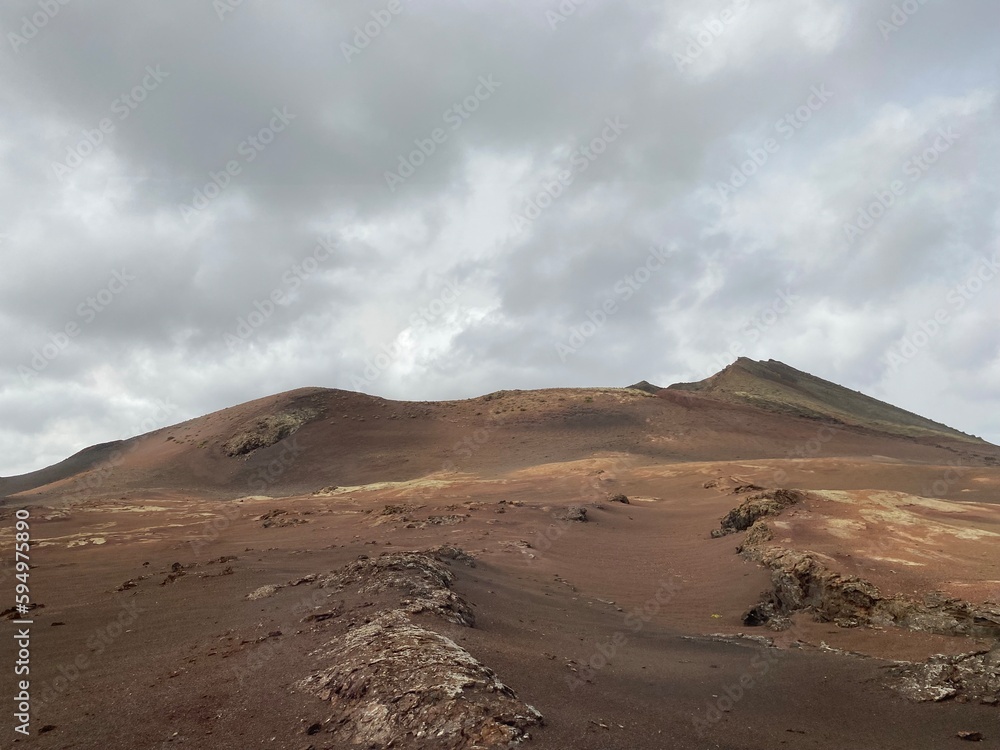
[(203, 203)]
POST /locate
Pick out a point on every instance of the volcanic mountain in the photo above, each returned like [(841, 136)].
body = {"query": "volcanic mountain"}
[(740, 562), (776, 387), (748, 410)]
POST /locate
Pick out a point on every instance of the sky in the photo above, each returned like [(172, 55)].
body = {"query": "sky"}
[(202, 203)]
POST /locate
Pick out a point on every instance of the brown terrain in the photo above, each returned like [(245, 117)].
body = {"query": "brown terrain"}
[(760, 560)]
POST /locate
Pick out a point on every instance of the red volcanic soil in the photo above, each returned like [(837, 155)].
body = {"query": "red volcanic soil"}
[(623, 630)]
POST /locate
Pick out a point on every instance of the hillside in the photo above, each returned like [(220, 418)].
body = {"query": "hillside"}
[(774, 386), (333, 437), (738, 563)]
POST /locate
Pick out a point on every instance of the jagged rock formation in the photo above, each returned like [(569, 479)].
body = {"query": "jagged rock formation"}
[(265, 431), (396, 684), (758, 505), (967, 677), (425, 583), (801, 581)]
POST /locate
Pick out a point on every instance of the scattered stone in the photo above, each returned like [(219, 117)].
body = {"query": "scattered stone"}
[(322, 616), (970, 736), (273, 518), (178, 573), (619, 498), (741, 489), (264, 592), (447, 552), (974, 676)]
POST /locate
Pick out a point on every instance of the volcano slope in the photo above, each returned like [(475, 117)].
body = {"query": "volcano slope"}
[(328, 569)]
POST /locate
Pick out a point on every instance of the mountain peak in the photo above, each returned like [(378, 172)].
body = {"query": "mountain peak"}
[(777, 387), (645, 385)]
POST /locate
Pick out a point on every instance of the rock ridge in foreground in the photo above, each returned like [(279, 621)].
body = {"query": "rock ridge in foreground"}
[(802, 582), (392, 682)]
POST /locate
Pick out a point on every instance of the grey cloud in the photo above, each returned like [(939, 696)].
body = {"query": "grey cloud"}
[(165, 335)]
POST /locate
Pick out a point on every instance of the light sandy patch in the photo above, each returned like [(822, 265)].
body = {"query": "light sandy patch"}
[(899, 561), (97, 540), (128, 509), (422, 483), (837, 496), (843, 528)]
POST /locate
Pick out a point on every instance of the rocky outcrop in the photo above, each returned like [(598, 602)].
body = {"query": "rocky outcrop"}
[(802, 582), (395, 684), (573, 513), (754, 507), (424, 582), (392, 682), (971, 677), (266, 431)]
